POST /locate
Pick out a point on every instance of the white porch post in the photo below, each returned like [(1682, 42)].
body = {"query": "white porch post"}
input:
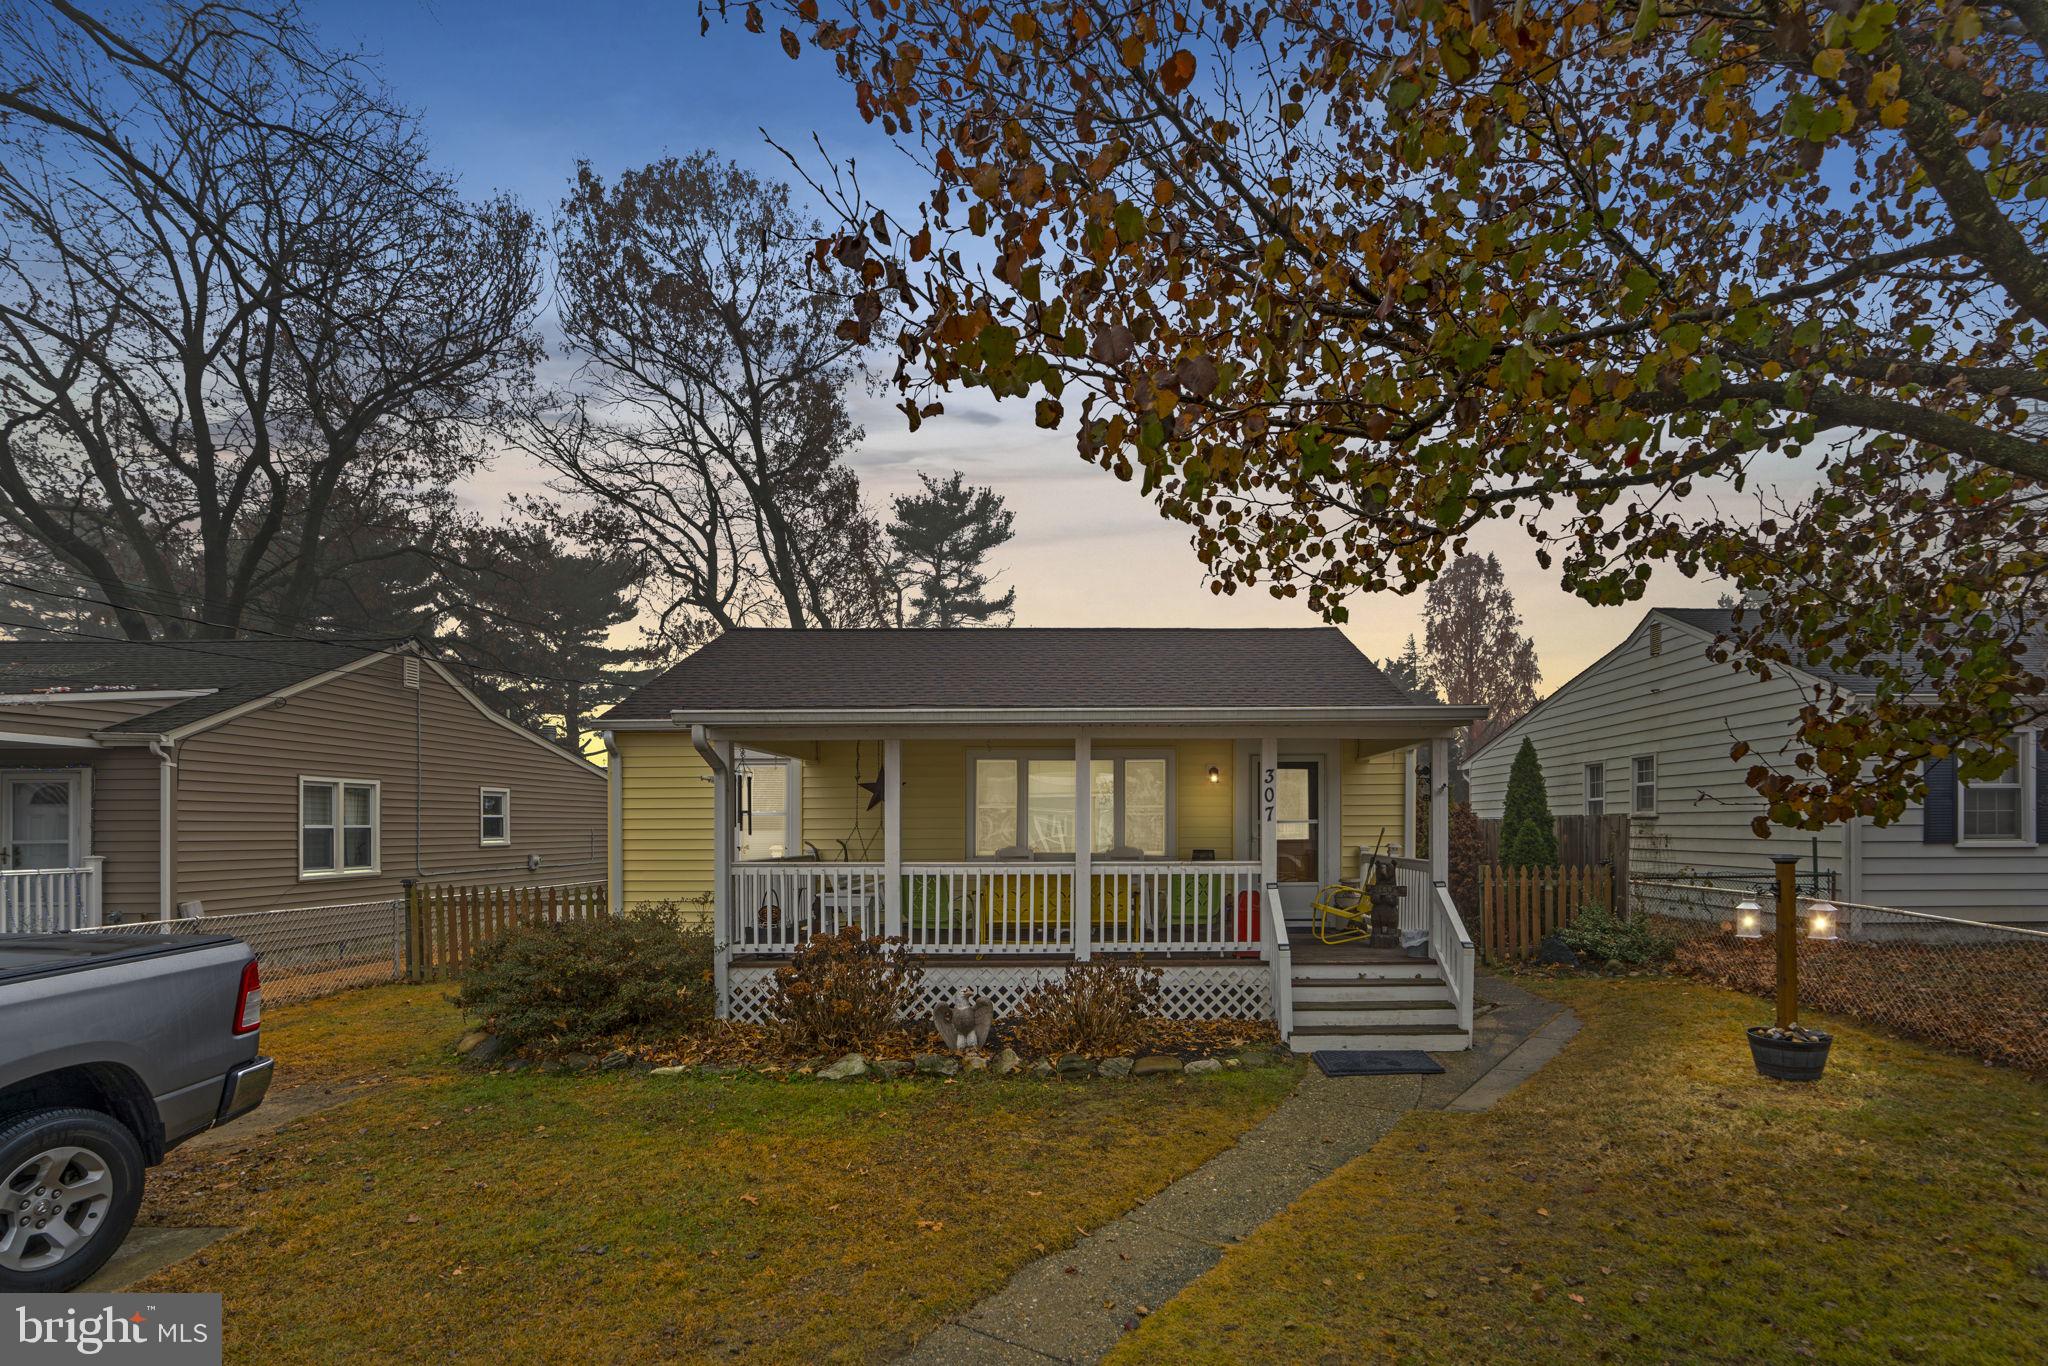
[(892, 837), (95, 866), (1084, 837), (720, 763), (1440, 810), (1264, 810), (1409, 757)]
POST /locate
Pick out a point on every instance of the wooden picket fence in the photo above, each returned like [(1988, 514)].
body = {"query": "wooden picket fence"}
[(446, 925), (1518, 907)]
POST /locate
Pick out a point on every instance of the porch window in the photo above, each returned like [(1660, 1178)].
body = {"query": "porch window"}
[(1596, 789), (494, 816), (337, 827), (1995, 810), (1026, 804), (766, 790)]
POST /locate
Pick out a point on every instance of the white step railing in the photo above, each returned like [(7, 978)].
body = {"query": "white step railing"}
[(1164, 908), (1412, 876), (51, 900), (1280, 955), (1451, 947), (776, 906)]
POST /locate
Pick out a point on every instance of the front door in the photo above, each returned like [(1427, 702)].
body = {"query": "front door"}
[(39, 820), (1298, 816)]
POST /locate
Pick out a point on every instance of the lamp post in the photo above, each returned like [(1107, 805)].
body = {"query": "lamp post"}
[(1786, 1052), (1788, 939)]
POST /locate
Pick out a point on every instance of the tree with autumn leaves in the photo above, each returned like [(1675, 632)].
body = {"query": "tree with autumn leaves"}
[(1747, 290)]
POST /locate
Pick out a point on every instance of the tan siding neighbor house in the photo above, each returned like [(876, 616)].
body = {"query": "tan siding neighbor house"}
[(258, 775)]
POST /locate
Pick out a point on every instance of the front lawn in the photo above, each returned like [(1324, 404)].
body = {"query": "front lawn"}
[(1647, 1197), (456, 1214)]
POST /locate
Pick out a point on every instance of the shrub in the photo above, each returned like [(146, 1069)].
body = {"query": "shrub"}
[(1095, 1008), (844, 991), (571, 986), (1600, 933), (1528, 836)]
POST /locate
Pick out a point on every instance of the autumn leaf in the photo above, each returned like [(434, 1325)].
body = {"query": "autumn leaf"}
[(1178, 70)]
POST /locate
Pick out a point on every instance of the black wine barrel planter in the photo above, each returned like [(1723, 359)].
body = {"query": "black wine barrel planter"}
[(1789, 1059)]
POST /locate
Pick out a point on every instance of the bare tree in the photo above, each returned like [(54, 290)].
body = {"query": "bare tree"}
[(1473, 648), (237, 309), (708, 426)]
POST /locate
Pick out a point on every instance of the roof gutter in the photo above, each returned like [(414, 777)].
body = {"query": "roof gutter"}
[(1427, 714)]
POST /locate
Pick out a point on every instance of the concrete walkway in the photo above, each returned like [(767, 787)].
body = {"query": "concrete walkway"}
[(1075, 1305)]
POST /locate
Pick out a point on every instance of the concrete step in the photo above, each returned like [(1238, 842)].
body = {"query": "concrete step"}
[(1435, 1014), (1347, 1038)]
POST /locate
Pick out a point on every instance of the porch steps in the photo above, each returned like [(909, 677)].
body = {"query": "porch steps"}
[(1353, 1007)]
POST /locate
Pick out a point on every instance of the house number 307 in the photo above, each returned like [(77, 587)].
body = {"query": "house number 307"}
[(1269, 790)]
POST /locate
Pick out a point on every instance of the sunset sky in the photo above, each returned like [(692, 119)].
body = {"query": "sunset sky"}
[(514, 92)]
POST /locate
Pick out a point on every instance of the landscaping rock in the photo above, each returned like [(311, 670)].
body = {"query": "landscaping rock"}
[(1114, 1068), (1006, 1062), (1042, 1067), (1074, 1065), (615, 1061), (846, 1069), (669, 1071), (1157, 1065), (1555, 951), (490, 1049), (974, 1062), (937, 1065), (517, 1065), (1203, 1065), (579, 1062), (471, 1040), (891, 1067)]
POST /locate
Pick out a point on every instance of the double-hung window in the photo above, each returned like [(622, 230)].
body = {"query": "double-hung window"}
[(1596, 789), (1644, 768), (1998, 810), (1024, 805), (337, 827), (768, 798), (494, 818)]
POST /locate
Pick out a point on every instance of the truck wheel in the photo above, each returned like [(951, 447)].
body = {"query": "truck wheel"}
[(70, 1183)]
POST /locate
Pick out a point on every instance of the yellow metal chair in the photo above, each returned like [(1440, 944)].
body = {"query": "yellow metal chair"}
[(1341, 912)]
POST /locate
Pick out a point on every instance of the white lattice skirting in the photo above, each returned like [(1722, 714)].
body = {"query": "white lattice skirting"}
[(1220, 991)]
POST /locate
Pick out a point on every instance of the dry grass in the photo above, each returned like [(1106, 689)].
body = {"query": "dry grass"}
[(624, 1216), (1648, 1198)]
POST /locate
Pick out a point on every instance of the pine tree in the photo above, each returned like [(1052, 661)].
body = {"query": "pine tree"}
[(942, 537), (1408, 672), (1528, 839)]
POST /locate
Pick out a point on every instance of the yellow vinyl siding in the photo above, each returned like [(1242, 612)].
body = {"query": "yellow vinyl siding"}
[(1204, 817), (665, 803), (1372, 795)]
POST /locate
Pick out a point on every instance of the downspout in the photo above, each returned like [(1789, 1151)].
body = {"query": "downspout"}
[(419, 857), (721, 865), (166, 828), (615, 837)]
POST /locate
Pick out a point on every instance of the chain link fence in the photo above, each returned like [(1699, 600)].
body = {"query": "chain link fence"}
[(1972, 987), (306, 951)]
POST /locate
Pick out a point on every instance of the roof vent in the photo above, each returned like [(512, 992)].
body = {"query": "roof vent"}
[(412, 672), (1656, 639)]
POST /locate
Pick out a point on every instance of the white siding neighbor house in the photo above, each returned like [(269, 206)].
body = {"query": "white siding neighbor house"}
[(1647, 731)]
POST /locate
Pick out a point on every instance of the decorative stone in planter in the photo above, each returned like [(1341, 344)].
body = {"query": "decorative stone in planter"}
[(1006, 1062), (937, 1065), (489, 1049), (846, 1069), (1555, 952), (974, 1062), (1074, 1065), (1158, 1065), (470, 1040), (1794, 1054), (1200, 1065), (891, 1067), (1115, 1068)]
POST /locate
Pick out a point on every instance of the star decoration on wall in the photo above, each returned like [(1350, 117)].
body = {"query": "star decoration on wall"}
[(873, 789)]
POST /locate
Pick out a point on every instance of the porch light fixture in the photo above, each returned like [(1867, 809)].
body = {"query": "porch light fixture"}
[(1820, 921), (1215, 774), (1749, 922)]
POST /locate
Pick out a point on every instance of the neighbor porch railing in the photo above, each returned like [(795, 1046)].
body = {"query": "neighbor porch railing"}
[(51, 900), (1001, 908)]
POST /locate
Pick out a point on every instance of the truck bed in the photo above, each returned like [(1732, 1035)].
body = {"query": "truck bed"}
[(26, 956)]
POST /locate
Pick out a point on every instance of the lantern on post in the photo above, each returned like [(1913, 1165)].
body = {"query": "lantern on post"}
[(1749, 920), (1786, 1051), (1820, 921)]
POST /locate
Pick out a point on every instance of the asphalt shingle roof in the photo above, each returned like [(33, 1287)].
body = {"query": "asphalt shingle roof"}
[(1719, 620), (1017, 667), (235, 671)]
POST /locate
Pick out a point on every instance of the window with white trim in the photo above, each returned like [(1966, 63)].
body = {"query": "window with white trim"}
[(1596, 789), (494, 815), (337, 827), (767, 792), (1644, 798), (1024, 804), (2000, 810)]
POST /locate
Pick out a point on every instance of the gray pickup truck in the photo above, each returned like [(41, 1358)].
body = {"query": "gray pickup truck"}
[(114, 1049)]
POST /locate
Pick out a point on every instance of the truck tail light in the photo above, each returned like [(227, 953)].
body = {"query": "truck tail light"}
[(249, 1001)]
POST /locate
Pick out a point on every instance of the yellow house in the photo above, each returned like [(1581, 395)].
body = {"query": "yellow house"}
[(1007, 801)]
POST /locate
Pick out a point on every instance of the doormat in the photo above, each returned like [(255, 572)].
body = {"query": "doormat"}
[(1397, 1064)]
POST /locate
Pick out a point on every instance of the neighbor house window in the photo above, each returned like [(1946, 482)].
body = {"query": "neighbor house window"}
[(1596, 789), (1997, 809), (496, 816), (1025, 805), (1645, 785), (337, 827)]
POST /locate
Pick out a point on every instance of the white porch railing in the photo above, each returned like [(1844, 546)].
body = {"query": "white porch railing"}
[(1451, 947), (1412, 876), (1001, 908), (51, 900), (776, 906)]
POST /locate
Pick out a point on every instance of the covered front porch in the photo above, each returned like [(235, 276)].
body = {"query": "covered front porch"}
[(1001, 855)]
